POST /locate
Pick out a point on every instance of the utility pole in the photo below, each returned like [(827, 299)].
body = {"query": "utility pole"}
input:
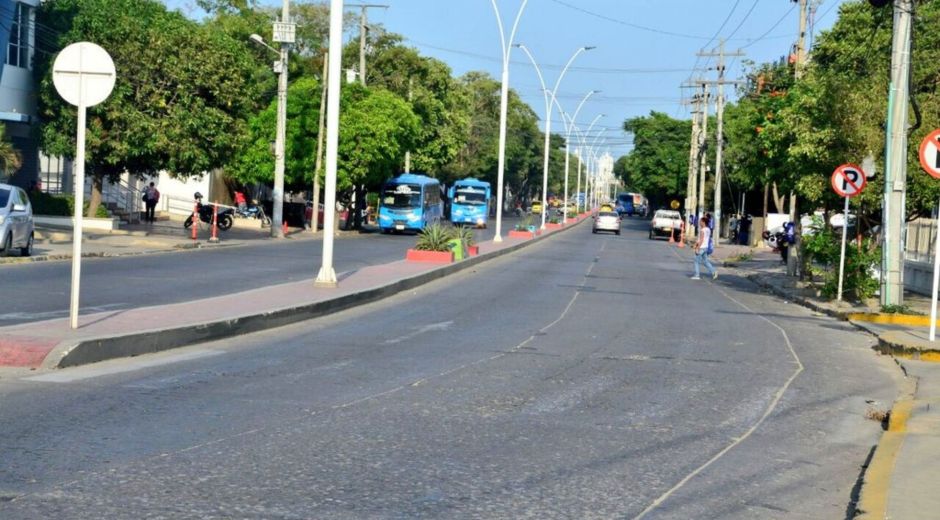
[(892, 280), (363, 32), (284, 34), (793, 253), (720, 109), (690, 185), (703, 153)]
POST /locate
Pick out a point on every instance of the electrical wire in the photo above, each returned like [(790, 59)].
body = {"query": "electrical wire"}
[(741, 23)]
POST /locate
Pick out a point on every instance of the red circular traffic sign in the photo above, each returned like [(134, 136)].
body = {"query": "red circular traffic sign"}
[(848, 180), (930, 154)]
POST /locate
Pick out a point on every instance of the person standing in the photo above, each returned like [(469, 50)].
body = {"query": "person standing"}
[(703, 248), (151, 198)]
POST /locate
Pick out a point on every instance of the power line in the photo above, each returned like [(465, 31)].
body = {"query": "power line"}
[(774, 26), (746, 16)]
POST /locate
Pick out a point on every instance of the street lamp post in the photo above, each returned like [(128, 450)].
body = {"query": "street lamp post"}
[(327, 275), (569, 126), (503, 108), (550, 96), (592, 151), (581, 139), (284, 34)]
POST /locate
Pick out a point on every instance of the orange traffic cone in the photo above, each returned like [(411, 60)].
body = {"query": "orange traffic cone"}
[(682, 235), (672, 236), (284, 226)]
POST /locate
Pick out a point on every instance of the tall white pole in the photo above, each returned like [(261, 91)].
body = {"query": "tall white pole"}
[(936, 280), (327, 276), (845, 228), (79, 187), (277, 216), (503, 109)]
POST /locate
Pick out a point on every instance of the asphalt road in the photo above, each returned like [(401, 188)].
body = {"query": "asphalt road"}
[(41, 289), (583, 377)]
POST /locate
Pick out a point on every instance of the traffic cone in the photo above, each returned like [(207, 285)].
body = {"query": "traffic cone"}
[(672, 233), (284, 227), (682, 235)]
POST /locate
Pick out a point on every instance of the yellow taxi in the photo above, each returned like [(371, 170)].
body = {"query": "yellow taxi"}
[(537, 207)]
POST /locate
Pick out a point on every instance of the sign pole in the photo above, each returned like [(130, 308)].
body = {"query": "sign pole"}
[(79, 187), (936, 280), (845, 230)]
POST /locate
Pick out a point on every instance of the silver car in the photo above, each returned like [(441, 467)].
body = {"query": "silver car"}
[(607, 221), (16, 221)]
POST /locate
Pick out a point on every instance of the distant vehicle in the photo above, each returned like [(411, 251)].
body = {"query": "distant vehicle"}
[(536, 207), (607, 206), (631, 204), (665, 221), (607, 221), (410, 202), (16, 221), (470, 202)]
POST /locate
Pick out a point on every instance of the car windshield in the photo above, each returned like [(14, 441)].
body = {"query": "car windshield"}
[(401, 196), (470, 196), (4, 197), (667, 214)]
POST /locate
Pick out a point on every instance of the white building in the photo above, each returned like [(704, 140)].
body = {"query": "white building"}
[(17, 90)]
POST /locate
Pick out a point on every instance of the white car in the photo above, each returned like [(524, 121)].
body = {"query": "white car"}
[(664, 222), (607, 221), (16, 221)]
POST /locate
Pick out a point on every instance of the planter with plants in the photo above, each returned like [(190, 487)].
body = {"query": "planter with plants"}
[(468, 242), (524, 229), (434, 245)]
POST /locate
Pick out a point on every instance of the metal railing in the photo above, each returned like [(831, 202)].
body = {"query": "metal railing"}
[(126, 199)]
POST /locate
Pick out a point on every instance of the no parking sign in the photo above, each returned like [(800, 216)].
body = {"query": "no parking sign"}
[(848, 180)]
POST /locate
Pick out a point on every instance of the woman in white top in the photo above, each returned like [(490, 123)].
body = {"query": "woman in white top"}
[(702, 249)]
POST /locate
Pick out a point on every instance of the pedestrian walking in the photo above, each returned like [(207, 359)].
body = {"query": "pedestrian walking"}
[(151, 198), (704, 247)]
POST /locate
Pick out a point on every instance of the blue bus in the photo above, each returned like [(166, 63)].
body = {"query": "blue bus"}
[(410, 202), (469, 202)]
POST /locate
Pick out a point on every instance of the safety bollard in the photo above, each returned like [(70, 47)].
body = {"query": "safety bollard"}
[(195, 220), (215, 225)]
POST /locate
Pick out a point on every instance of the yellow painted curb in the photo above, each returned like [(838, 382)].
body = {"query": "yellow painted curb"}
[(892, 319), (873, 502)]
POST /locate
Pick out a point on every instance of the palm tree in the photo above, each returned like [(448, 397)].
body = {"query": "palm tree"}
[(10, 158)]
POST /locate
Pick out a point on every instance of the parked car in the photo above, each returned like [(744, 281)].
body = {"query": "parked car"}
[(16, 221), (607, 221), (665, 221), (308, 214)]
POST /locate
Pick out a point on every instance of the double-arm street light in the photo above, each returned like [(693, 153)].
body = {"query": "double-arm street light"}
[(592, 151), (503, 108), (550, 96), (582, 138), (569, 126)]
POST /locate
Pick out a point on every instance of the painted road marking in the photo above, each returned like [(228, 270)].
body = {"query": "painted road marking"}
[(444, 325)]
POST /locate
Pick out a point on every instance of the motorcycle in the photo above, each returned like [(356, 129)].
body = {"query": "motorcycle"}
[(254, 211), (224, 219)]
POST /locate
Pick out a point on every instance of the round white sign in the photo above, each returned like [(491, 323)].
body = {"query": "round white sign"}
[(83, 74)]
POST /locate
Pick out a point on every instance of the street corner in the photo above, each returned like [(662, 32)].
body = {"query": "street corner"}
[(25, 351)]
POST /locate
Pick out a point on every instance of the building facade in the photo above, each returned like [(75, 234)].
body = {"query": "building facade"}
[(17, 88)]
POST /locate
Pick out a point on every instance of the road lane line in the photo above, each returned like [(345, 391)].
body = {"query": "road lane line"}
[(750, 431)]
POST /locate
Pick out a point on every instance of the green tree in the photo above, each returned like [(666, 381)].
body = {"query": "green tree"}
[(181, 100), (254, 161), (658, 165)]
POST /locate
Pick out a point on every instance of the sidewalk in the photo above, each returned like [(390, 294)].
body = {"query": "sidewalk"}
[(160, 237), (901, 478), (107, 335)]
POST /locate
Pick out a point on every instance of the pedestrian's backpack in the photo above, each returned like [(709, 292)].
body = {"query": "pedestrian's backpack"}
[(711, 245)]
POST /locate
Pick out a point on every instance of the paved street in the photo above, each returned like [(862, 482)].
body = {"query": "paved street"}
[(583, 377), (136, 281)]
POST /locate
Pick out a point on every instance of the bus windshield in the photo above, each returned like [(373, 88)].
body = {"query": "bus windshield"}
[(401, 196), (470, 196)]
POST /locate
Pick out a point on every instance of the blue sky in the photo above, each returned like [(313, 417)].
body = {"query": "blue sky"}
[(645, 48)]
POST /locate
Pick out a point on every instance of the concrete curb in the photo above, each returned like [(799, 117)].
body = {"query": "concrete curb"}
[(93, 350), (873, 497)]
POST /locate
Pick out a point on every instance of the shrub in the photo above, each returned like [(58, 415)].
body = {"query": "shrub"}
[(524, 224), (823, 251), (434, 237), (464, 234), (59, 205)]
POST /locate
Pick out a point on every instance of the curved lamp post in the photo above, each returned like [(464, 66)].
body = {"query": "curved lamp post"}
[(592, 168), (569, 126), (503, 107), (549, 97)]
